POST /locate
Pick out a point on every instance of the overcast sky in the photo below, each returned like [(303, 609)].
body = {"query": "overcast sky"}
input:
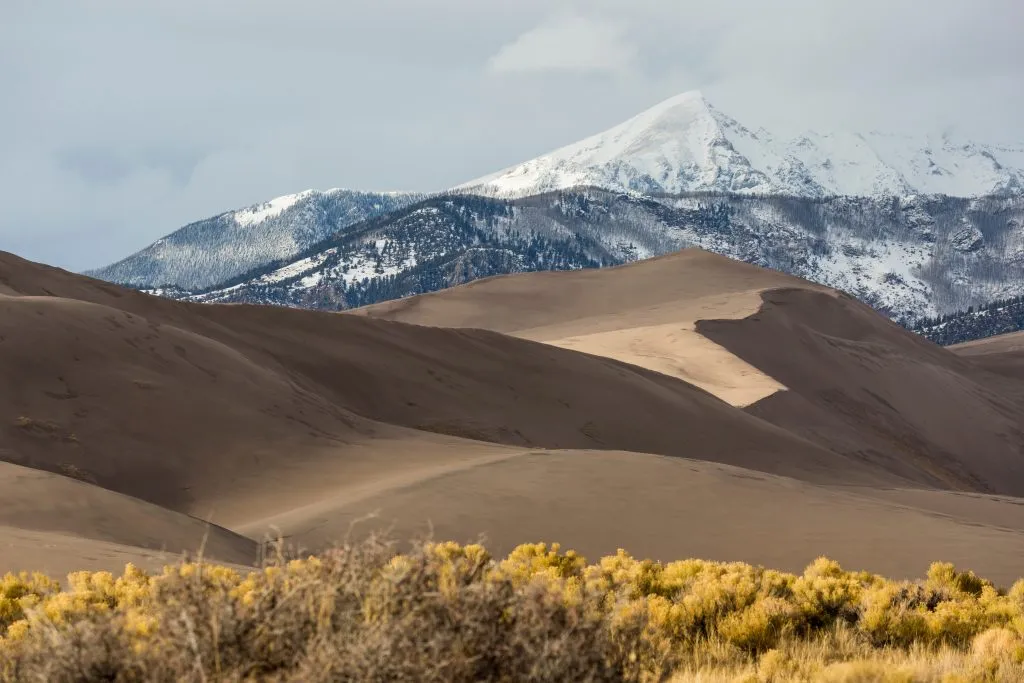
[(121, 120)]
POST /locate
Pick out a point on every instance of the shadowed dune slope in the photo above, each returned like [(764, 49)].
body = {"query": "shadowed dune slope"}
[(642, 313), (856, 383), (55, 524), (1002, 356), (568, 420), (861, 384), (149, 410), (221, 409)]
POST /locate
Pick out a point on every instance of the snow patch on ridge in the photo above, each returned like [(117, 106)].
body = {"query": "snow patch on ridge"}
[(258, 213)]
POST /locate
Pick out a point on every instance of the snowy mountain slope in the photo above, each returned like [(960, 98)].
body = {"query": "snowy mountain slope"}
[(437, 243), (210, 251), (910, 258), (686, 145)]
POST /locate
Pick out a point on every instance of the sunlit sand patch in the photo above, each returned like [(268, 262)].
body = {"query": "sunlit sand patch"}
[(679, 351), (664, 339)]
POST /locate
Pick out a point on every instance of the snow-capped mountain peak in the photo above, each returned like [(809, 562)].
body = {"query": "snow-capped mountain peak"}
[(678, 145), (682, 127), (685, 144)]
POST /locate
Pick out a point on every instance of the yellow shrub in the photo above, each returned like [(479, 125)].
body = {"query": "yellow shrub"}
[(474, 553), (888, 620), (649, 615), (998, 643), (943, 575), (822, 601), (615, 575), (531, 559), (711, 599), (676, 576), (955, 621), (760, 626), (19, 592)]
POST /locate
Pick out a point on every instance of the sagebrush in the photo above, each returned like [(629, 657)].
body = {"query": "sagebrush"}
[(447, 612)]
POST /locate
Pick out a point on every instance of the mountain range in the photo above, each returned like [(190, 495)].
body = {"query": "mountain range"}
[(917, 227), (909, 258)]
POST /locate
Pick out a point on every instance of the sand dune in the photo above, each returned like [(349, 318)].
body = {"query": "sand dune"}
[(226, 408), (55, 524), (677, 350), (595, 408), (1012, 343), (642, 313), (861, 384), (57, 555), (856, 383), (667, 508), (641, 293), (1002, 357), (146, 409)]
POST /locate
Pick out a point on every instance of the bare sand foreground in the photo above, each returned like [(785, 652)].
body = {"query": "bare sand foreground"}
[(684, 406)]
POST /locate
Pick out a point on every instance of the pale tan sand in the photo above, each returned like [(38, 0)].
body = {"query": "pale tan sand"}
[(668, 508), (677, 350)]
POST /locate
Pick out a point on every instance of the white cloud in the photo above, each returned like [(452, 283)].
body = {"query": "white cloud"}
[(567, 42)]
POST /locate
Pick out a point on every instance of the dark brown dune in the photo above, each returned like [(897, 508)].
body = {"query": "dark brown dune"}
[(857, 383), (860, 384), (641, 313), (146, 409), (44, 505), (261, 418), (225, 406), (1001, 358)]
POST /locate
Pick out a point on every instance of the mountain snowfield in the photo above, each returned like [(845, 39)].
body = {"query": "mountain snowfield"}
[(686, 145), (916, 226)]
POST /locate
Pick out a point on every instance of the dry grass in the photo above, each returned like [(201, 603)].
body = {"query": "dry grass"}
[(444, 612)]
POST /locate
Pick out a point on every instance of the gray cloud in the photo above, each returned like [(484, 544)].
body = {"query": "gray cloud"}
[(124, 120)]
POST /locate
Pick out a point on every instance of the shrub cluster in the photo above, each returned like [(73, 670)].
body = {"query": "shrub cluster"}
[(446, 612)]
